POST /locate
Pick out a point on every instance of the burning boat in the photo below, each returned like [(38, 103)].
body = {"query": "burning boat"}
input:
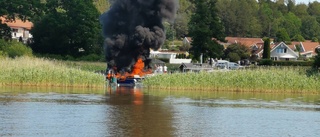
[(123, 78), (131, 28)]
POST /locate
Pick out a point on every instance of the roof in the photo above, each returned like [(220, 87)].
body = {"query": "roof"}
[(307, 46), (310, 46), (17, 23), (284, 44), (248, 42)]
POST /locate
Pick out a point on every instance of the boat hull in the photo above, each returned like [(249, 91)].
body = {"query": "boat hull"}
[(129, 82)]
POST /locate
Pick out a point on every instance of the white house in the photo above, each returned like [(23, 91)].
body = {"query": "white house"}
[(308, 49), (19, 28), (168, 55), (283, 52)]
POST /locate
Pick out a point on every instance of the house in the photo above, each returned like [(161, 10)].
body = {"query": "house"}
[(186, 41), (19, 29), (248, 42), (308, 49), (166, 55), (171, 56), (283, 52), (279, 51)]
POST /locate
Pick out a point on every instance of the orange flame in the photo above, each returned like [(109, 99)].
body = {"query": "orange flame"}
[(138, 69)]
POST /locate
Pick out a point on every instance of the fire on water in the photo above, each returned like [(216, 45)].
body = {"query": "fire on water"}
[(138, 70)]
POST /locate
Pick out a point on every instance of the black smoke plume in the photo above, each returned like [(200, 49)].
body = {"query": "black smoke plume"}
[(133, 27)]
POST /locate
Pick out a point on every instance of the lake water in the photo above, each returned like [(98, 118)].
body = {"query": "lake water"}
[(138, 112)]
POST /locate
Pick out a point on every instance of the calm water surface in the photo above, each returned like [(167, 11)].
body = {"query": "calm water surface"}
[(136, 112)]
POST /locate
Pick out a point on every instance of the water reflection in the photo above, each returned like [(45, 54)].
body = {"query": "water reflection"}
[(138, 114), (142, 112)]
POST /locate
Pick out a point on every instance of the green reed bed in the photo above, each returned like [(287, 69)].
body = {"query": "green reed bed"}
[(27, 71), (271, 79)]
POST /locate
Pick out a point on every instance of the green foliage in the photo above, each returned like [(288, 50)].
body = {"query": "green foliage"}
[(92, 57), (2, 54), (233, 57), (315, 39), (293, 63), (23, 9), (17, 49), (316, 63), (186, 9), (267, 62), (251, 18), (236, 52), (310, 27), (169, 31), (67, 28), (85, 65), (298, 48), (14, 49), (102, 5), (298, 37), (282, 36), (3, 43), (27, 71), (270, 62), (203, 26), (5, 31), (291, 24), (266, 49), (260, 79), (181, 56)]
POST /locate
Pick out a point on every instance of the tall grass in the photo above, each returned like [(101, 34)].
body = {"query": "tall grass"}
[(28, 71), (274, 79)]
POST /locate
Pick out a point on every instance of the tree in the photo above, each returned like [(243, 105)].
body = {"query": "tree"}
[(301, 10), (292, 24), (240, 17), (267, 18), (203, 27), (291, 5), (298, 37), (5, 32), (266, 49), (282, 36), (184, 13), (69, 28), (236, 52), (23, 9), (316, 63), (310, 27)]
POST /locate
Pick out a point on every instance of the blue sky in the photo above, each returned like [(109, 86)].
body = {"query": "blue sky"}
[(305, 1)]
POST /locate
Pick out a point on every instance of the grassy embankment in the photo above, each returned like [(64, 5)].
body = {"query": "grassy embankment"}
[(27, 71), (275, 80)]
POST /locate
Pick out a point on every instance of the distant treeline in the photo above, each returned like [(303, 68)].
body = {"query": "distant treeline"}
[(260, 18)]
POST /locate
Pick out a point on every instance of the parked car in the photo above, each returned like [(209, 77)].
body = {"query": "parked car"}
[(223, 64), (232, 65)]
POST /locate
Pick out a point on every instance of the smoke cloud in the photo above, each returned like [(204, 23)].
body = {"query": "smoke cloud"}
[(133, 27)]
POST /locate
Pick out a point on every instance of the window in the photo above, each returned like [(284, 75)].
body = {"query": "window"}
[(281, 50), (14, 30), (274, 58)]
